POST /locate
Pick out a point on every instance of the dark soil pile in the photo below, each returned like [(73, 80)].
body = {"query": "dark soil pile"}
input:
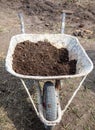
[(42, 59)]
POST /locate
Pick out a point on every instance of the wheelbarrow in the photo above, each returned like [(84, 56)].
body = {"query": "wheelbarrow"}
[(49, 109)]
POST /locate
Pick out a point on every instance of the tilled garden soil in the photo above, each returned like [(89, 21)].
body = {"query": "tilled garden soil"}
[(42, 59)]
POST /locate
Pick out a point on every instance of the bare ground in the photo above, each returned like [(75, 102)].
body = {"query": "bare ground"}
[(16, 112)]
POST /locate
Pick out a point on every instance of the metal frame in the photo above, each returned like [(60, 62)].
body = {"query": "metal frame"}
[(39, 112)]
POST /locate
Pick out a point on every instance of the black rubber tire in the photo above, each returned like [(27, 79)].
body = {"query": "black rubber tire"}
[(50, 102), (50, 128)]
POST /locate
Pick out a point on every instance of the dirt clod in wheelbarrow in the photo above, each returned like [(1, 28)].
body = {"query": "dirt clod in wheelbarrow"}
[(42, 59)]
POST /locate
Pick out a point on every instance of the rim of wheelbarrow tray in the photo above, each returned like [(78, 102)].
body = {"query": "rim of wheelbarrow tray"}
[(84, 64)]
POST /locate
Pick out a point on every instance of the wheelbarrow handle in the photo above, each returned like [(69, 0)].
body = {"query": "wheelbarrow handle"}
[(63, 22), (64, 12), (22, 22)]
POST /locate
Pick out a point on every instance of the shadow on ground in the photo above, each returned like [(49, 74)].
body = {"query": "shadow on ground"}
[(90, 80), (13, 99)]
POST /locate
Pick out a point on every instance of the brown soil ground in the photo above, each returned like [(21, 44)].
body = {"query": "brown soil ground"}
[(42, 59), (44, 16)]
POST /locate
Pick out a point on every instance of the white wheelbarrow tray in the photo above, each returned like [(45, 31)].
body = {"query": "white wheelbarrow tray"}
[(76, 51), (83, 68)]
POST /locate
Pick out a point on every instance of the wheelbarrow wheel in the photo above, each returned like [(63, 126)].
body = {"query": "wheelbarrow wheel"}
[(50, 128), (49, 101)]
